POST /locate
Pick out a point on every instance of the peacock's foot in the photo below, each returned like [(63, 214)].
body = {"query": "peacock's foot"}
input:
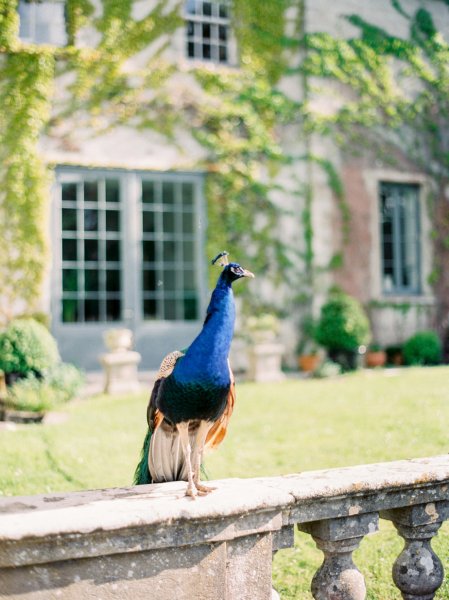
[(192, 491), (204, 488)]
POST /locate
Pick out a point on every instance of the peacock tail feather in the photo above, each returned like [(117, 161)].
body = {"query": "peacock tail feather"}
[(142, 474)]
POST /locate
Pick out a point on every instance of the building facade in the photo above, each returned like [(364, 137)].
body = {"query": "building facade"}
[(130, 205)]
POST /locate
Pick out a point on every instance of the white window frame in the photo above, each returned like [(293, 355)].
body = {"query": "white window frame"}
[(197, 21), (30, 14), (132, 238)]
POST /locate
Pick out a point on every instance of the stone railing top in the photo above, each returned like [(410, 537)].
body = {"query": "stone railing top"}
[(302, 497)]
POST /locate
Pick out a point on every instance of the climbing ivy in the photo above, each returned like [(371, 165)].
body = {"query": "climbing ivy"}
[(26, 80), (397, 109)]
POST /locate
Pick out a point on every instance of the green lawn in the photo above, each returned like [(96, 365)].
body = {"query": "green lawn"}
[(281, 428)]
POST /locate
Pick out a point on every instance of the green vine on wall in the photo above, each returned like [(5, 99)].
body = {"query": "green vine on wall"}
[(25, 94)]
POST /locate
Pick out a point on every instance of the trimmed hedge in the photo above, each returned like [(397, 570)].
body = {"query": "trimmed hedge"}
[(423, 348)]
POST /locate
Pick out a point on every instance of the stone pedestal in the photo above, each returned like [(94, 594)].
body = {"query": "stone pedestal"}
[(120, 372), (264, 362), (120, 364)]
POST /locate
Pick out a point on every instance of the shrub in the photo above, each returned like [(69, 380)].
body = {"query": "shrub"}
[(32, 394), (343, 324), (59, 384), (66, 379), (27, 347), (423, 348)]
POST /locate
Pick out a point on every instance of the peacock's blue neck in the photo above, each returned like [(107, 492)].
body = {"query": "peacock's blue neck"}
[(206, 359)]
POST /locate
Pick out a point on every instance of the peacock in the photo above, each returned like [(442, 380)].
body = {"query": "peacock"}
[(194, 394)]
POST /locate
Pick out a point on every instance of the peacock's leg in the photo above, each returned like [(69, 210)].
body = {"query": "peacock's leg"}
[(198, 455), (183, 429)]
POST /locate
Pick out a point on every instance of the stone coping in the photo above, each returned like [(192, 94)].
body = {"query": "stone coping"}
[(331, 493)]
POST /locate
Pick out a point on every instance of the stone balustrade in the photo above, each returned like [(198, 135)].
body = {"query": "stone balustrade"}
[(152, 542)]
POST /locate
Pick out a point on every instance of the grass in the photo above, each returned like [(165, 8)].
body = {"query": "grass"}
[(276, 429)]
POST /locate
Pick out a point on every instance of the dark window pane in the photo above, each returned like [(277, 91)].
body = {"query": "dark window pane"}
[(223, 33), (68, 192), (91, 310), (191, 50), (190, 29), (169, 280), (169, 251), (90, 219), (69, 250), (187, 194), (168, 192), (69, 219), (112, 190), (168, 220), (206, 51), (149, 280), (187, 222), (222, 53), (148, 220), (190, 309), (206, 30), (149, 308), (112, 280), (90, 191), (223, 11), (149, 251), (189, 280), (113, 310), (170, 309), (188, 251), (91, 280), (69, 280), (91, 250), (112, 220), (113, 250), (207, 9), (69, 311), (148, 192)]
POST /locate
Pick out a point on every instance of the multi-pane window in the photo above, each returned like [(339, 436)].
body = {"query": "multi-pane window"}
[(91, 238), (400, 256), (207, 32), (42, 22), (169, 284)]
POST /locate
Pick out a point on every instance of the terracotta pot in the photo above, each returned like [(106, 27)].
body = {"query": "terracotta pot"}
[(308, 362), (376, 359)]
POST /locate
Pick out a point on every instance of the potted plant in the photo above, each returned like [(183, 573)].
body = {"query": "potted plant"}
[(394, 355), (375, 356), (423, 348), (308, 353), (342, 328)]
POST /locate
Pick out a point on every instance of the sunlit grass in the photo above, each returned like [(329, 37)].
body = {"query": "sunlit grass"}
[(281, 428)]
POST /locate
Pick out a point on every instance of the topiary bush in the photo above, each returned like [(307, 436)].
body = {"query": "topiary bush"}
[(26, 347), (423, 348), (66, 379), (343, 324)]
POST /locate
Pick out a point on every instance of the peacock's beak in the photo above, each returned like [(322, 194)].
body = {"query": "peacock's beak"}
[(247, 273)]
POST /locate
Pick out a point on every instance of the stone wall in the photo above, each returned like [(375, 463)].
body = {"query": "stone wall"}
[(153, 542)]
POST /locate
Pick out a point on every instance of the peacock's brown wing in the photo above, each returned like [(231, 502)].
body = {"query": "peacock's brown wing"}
[(154, 415)]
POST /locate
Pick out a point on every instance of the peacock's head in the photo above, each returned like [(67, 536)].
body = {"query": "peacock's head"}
[(231, 271)]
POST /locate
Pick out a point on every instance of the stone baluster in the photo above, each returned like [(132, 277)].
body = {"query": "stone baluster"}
[(338, 577), (418, 571)]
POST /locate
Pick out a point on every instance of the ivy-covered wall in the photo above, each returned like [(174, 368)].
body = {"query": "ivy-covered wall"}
[(239, 117)]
